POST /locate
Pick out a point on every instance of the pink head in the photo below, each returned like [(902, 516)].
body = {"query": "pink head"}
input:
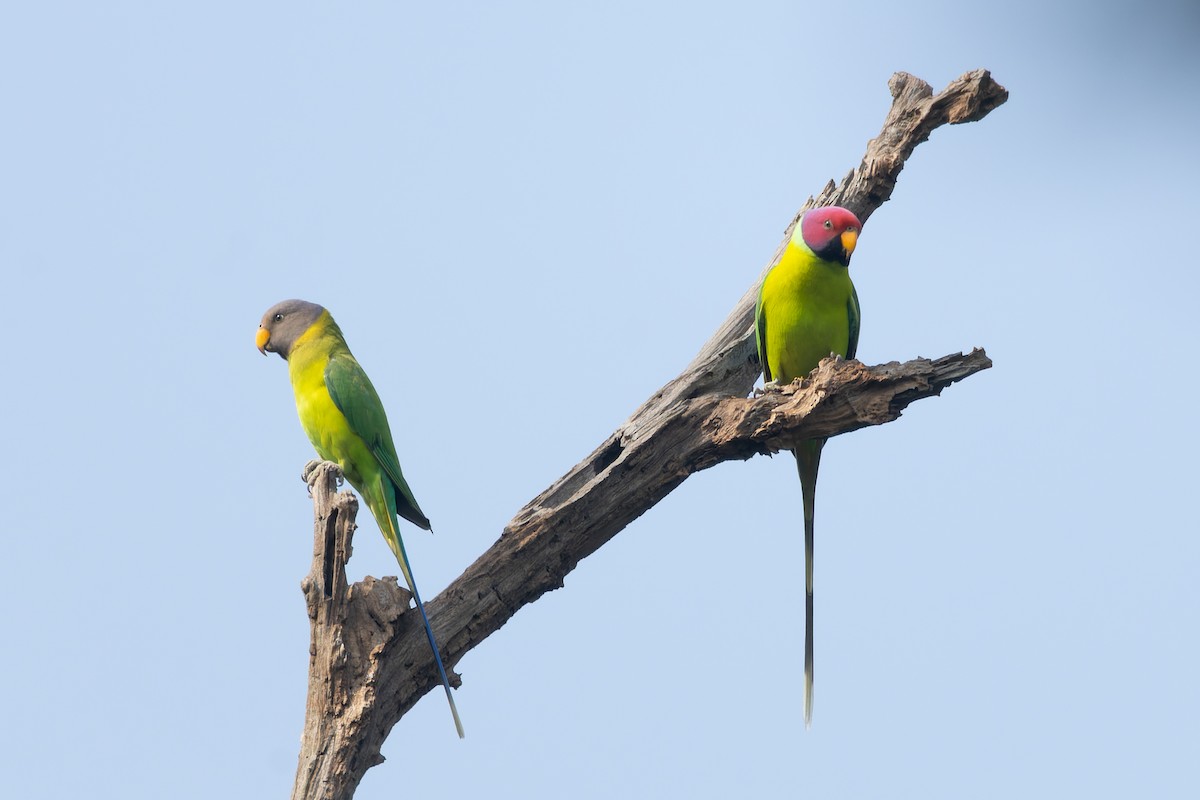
[(831, 232)]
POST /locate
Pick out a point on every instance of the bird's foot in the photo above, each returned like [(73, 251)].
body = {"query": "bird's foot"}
[(766, 388), (310, 469)]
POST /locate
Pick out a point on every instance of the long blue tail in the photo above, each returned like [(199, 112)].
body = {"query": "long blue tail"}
[(437, 656)]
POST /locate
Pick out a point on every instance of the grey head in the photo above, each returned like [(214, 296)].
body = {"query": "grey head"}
[(283, 324)]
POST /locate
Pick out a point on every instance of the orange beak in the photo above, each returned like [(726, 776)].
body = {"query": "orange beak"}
[(849, 240), (261, 339)]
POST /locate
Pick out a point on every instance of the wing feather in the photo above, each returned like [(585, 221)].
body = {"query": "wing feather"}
[(760, 330), (855, 314), (356, 398)]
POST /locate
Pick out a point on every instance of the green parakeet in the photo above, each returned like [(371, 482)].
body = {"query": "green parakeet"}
[(807, 308), (344, 419)]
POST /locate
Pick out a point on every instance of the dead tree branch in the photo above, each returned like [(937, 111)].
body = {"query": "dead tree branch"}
[(370, 661)]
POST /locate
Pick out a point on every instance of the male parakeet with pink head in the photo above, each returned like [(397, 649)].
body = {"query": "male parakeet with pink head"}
[(807, 309)]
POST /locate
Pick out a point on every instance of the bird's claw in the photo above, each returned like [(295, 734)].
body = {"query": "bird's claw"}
[(766, 388), (310, 469)]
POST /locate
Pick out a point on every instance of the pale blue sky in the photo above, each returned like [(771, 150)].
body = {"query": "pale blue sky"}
[(527, 217)]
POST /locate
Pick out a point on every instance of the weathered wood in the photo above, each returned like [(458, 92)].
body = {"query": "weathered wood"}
[(371, 662), (625, 477), (345, 642)]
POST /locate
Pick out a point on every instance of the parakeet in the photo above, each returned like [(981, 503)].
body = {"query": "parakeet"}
[(345, 421), (807, 308)]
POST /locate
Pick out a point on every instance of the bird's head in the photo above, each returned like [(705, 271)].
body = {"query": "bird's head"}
[(831, 232), (283, 324)]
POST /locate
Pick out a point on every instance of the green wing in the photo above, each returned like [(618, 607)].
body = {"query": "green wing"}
[(855, 314), (356, 398), (760, 330)]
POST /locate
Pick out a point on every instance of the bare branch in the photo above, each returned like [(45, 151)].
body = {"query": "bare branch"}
[(370, 661)]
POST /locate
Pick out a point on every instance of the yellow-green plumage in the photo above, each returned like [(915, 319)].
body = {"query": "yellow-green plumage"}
[(807, 309), (344, 419), (329, 384), (804, 303), (323, 422)]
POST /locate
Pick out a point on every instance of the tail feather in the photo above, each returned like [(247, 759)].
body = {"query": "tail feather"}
[(808, 460), (402, 557), (392, 535)]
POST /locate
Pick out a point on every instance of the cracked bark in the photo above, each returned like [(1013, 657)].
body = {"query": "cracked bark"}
[(369, 660)]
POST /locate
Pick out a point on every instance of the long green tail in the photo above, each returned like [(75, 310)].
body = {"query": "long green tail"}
[(808, 460), (397, 544)]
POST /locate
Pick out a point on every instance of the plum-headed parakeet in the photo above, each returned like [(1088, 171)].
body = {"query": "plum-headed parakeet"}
[(807, 308), (344, 419)]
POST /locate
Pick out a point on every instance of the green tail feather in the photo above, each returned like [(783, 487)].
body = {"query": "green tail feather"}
[(808, 460)]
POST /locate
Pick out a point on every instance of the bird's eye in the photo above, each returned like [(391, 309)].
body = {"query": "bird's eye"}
[(279, 317), (828, 224)]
